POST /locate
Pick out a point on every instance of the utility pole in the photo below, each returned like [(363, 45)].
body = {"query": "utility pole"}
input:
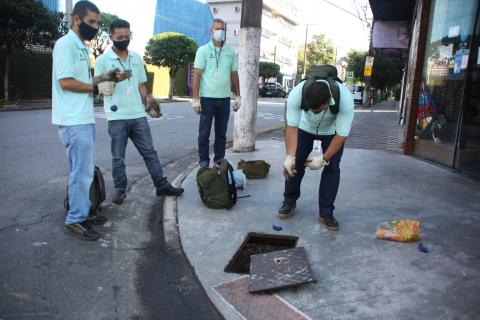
[(305, 54), (68, 13), (248, 58)]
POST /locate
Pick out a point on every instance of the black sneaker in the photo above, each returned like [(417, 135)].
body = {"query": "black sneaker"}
[(118, 196), (285, 210), (169, 190), (82, 230), (96, 220), (329, 221)]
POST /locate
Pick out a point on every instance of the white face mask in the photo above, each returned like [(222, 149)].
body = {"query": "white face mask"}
[(219, 35)]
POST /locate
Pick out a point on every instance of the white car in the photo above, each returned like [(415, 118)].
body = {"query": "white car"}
[(358, 93)]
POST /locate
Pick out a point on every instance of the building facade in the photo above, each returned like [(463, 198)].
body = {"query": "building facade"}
[(440, 105), (189, 17), (51, 5), (279, 42)]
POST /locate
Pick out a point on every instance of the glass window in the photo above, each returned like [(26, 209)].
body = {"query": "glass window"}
[(447, 51), (468, 152)]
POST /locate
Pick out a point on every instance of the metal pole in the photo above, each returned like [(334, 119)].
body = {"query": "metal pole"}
[(248, 58)]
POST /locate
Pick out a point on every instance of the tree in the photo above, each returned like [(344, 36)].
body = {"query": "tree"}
[(320, 51), (99, 44), (268, 70), (23, 24), (386, 71), (356, 63), (172, 50)]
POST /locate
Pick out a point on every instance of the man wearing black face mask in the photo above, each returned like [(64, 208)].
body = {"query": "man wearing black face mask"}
[(124, 106), (72, 112)]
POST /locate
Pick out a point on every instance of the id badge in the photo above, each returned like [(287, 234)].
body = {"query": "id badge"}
[(217, 75), (317, 146), (129, 89)]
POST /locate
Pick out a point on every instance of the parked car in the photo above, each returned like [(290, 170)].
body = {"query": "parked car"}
[(358, 94), (272, 89)]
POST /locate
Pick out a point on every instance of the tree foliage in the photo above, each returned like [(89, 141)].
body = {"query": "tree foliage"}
[(99, 44), (171, 50), (320, 51), (268, 70), (386, 71), (26, 24)]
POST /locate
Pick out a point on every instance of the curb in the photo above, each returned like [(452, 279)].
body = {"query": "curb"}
[(170, 218)]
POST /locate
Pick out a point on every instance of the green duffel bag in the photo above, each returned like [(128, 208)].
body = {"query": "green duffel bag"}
[(217, 186), (254, 169)]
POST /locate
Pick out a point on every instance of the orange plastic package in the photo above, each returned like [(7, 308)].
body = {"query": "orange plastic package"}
[(399, 230)]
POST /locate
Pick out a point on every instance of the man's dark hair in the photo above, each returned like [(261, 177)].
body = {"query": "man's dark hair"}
[(317, 94), (81, 7), (119, 24)]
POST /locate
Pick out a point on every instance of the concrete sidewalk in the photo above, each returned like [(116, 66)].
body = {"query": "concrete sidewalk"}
[(359, 277)]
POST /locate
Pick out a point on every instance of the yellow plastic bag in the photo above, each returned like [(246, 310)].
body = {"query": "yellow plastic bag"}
[(399, 230)]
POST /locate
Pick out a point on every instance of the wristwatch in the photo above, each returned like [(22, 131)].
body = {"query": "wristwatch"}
[(325, 162)]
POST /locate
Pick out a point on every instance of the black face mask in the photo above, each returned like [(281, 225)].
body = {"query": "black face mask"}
[(87, 32), (121, 45)]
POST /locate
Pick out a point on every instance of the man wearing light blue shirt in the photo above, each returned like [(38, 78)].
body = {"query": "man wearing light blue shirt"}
[(316, 120), (72, 112), (124, 105), (215, 73)]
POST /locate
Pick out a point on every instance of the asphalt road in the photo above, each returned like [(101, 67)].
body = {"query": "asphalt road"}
[(46, 274)]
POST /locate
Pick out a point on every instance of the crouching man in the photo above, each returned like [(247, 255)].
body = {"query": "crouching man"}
[(313, 114)]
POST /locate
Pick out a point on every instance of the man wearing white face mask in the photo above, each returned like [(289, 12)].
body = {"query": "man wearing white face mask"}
[(315, 113), (216, 68)]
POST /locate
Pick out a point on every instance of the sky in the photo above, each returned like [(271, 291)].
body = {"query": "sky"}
[(322, 16)]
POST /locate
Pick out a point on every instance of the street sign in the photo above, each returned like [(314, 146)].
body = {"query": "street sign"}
[(369, 61), (349, 77), (368, 71)]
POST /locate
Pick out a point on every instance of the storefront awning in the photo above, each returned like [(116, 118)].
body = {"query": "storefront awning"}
[(392, 9)]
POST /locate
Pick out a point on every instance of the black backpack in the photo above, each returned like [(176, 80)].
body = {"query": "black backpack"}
[(323, 72), (216, 186), (97, 193)]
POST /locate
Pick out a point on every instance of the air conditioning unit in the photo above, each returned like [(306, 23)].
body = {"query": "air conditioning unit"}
[(215, 10), (236, 32), (237, 9)]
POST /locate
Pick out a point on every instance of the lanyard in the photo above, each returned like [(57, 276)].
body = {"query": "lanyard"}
[(217, 56), (120, 61)]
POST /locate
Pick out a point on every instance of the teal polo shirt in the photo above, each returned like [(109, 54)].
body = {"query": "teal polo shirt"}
[(324, 123), (127, 94), (217, 65), (71, 59)]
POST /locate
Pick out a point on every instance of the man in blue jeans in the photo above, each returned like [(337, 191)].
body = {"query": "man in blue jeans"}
[(216, 68), (124, 106), (72, 112), (315, 122)]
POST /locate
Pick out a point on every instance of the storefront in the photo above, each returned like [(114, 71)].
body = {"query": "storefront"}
[(441, 89), (448, 114)]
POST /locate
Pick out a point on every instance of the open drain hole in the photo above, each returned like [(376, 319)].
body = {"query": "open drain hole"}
[(257, 243)]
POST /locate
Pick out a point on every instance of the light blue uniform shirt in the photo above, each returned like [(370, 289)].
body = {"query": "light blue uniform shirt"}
[(324, 123), (217, 65), (71, 59), (126, 95)]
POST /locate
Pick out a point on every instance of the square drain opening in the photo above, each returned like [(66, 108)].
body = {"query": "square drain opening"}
[(258, 243)]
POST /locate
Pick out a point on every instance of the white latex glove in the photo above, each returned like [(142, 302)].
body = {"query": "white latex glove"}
[(315, 163), (106, 88), (196, 106), (237, 104), (289, 166)]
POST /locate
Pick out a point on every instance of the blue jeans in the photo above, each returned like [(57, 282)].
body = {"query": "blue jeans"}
[(80, 143), (138, 131), (218, 108), (330, 176)]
